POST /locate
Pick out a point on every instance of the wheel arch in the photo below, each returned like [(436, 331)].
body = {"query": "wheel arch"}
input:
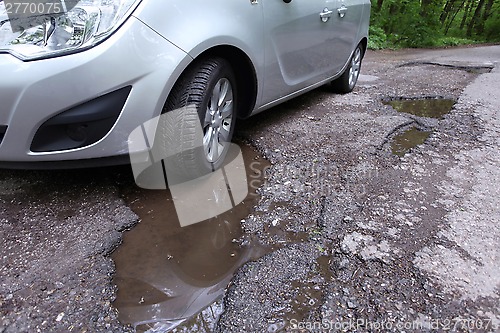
[(244, 71), (364, 43)]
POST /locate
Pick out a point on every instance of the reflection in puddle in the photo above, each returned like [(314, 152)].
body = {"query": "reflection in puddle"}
[(425, 107), (166, 273), (402, 143)]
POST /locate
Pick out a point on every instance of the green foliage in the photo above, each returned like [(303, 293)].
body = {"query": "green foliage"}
[(377, 38), (432, 23), (492, 28), (402, 25), (453, 41), (416, 36)]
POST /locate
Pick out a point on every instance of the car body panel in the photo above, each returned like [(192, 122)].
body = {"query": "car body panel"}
[(297, 48), (318, 51)]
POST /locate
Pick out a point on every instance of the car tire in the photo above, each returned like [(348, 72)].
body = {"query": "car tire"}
[(347, 81), (207, 94)]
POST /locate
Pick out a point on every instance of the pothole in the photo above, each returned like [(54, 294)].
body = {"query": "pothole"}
[(402, 143), (167, 274), (431, 107), (473, 68)]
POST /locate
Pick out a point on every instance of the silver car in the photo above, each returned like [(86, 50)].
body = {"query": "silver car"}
[(77, 77)]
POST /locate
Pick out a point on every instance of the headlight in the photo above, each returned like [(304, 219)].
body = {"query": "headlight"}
[(45, 35)]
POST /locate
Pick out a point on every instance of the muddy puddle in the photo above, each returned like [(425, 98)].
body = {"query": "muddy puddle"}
[(171, 277), (423, 107), (431, 107), (404, 142)]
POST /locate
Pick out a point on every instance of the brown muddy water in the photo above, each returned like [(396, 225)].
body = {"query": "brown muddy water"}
[(167, 274), (404, 142), (432, 107)]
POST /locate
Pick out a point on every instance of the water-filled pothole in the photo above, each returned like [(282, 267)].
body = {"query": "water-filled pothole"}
[(167, 274), (429, 107), (434, 107), (404, 142)]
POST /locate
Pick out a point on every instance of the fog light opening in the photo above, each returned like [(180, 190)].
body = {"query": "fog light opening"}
[(77, 132), (82, 125)]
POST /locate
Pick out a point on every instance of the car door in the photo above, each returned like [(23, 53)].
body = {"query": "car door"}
[(345, 20), (299, 45)]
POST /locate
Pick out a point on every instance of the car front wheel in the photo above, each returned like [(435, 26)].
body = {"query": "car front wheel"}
[(209, 87)]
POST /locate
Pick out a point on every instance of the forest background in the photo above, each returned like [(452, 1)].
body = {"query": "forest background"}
[(433, 23)]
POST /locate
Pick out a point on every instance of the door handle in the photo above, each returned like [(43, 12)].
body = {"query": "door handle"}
[(325, 14), (342, 11)]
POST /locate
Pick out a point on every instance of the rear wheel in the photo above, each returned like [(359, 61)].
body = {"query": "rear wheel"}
[(210, 88), (347, 81)]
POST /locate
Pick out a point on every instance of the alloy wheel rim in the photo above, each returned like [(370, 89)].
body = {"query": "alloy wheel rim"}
[(355, 68), (218, 120)]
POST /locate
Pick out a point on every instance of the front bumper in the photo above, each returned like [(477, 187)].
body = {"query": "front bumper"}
[(34, 92)]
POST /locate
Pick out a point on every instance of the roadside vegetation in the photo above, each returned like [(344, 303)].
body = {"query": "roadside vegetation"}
[(433, 23)]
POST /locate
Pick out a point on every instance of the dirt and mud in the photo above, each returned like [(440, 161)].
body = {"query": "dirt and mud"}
[(370, 218)]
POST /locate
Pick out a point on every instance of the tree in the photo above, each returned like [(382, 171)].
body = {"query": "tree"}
[(475, 18), (486, 15), (435, 22)]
